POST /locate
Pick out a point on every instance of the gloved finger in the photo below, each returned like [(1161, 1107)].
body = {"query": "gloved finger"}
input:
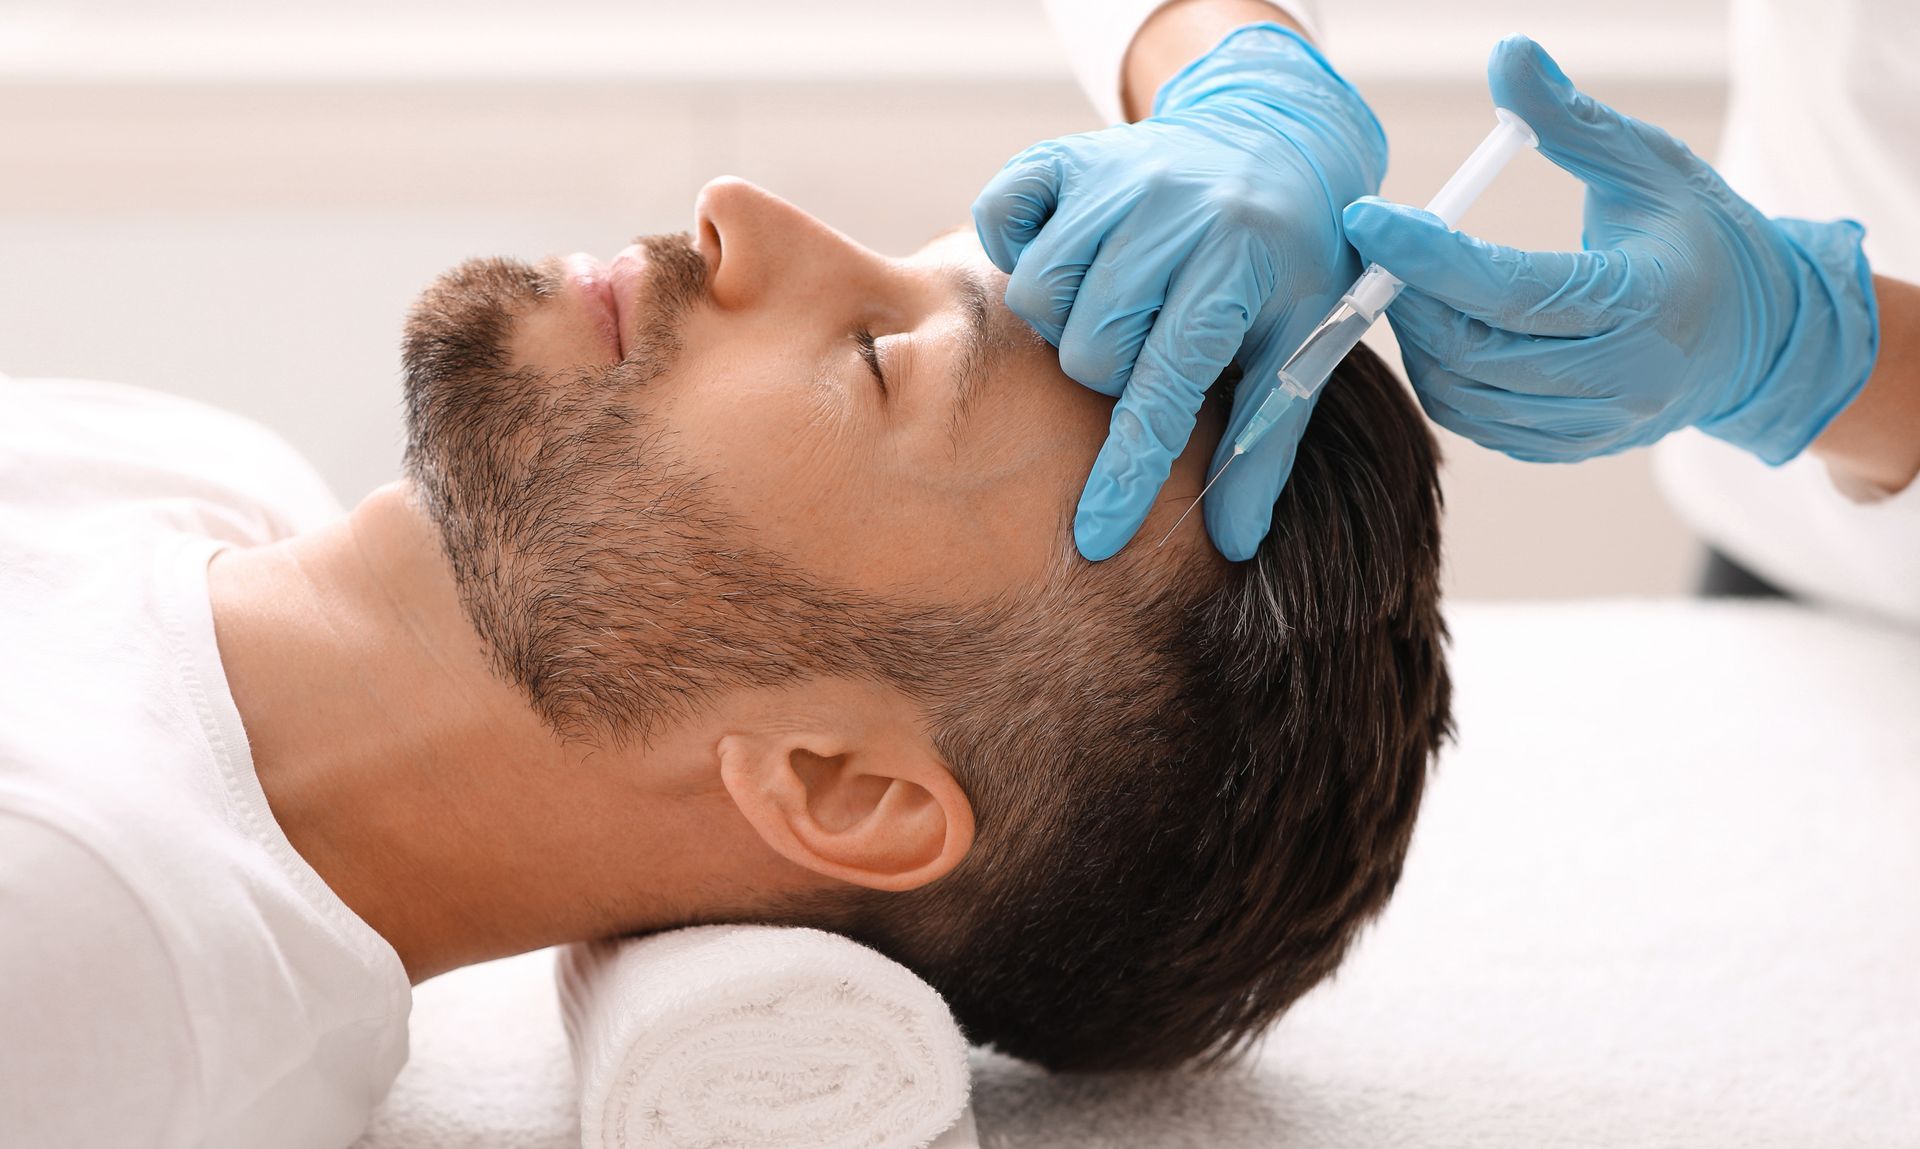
[(1556, 293), (1557, 370), (1564, 416), (1017, 202), (1450, 336), (1123, 293), (1196, 334), (1610, 152), (1436, 388), (1521, 443), (1044, 287), (1239, 508)]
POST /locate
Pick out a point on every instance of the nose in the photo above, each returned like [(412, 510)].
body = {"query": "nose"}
[(757, 244)]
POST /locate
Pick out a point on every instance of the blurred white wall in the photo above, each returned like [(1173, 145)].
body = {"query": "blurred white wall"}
[(237, 201)]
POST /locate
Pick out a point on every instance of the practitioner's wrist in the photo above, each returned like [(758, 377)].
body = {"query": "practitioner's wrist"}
[(1273, 73), (1179, 33)]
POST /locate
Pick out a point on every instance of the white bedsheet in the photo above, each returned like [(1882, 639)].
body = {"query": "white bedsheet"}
[(1665, 891)]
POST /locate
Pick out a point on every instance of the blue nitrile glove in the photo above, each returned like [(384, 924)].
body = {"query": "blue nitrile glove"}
[(1155, 253), (1687, 308)]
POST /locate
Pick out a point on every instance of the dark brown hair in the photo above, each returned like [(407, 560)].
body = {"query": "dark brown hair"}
[(1193, 795)]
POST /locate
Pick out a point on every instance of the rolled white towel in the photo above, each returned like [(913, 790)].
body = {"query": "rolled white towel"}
[(741, 1036)]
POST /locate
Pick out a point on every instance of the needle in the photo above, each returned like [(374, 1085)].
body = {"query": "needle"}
[(1196, 499)]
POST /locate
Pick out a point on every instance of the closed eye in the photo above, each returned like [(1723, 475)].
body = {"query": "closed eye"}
[(870, 351)]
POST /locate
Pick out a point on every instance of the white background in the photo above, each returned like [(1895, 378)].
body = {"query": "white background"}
[(237, 201)]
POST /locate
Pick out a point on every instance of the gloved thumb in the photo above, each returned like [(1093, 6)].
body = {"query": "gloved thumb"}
[(1016, 203), (1608, 151)]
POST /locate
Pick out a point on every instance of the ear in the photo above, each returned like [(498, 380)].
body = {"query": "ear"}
[(865, 799)]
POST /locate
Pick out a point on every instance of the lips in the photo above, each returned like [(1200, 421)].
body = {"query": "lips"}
[(592, 281), (623, 279)]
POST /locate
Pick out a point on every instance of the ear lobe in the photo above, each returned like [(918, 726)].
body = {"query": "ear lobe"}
[(887, 815)]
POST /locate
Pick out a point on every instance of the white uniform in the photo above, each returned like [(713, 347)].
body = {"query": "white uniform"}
[(172, 973), (1824, 123)]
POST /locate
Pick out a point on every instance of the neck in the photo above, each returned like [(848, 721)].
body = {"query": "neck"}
[(420, 786)]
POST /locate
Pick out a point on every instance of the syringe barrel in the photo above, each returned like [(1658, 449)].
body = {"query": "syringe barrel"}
[(1509, 137)]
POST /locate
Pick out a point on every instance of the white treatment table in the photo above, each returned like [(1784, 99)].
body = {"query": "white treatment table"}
[(1665, 892)]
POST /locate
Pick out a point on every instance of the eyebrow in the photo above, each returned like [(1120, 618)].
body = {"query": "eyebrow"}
[(980, 350)]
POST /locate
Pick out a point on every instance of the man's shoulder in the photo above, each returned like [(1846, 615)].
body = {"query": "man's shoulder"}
[(99, 408), (164, 958), (76, 444), (63, 867), (99, 1039)]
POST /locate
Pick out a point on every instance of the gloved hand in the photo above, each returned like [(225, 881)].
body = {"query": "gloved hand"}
[(1687, 308), (1153, 254)]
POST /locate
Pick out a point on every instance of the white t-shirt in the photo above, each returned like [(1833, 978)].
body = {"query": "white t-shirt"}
[(172, 973)]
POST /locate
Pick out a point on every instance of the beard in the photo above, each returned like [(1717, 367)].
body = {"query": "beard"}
[(582, 551)]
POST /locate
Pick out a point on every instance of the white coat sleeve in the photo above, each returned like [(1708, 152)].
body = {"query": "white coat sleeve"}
[(1097, 34), (94, 1041)]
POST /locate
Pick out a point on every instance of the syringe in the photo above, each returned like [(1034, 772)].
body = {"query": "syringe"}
[(1307, 369)]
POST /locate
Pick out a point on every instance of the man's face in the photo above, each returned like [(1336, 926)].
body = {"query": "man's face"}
[(954, 477), (645, 471)]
